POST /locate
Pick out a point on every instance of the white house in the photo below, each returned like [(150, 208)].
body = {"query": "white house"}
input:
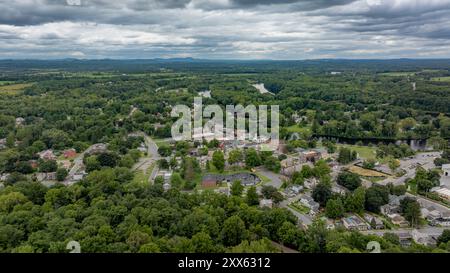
[(266, 203)]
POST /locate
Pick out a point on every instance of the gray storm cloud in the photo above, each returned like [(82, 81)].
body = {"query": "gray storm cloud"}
[(241, 29)]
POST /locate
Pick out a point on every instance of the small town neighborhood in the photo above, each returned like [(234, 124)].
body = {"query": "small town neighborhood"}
[(290, 180)]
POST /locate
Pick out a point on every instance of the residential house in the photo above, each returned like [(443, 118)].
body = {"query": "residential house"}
[(430, 213), (444, 220), (288, 166), (404, 238), (46, 176), (393, 206), (223, 190), (339, 189), (395, 200), (78, 176), (309, 156), (166, 186), (353, 222), (142, 148), (309, 202), (268, 203), (20, 121), (3, 143), (205, 93), (97, 148), (310, 183), (47, 155), (426, 239), (34, 164), (389, 209), (71, 153), (435, 217), (4, 176), (293, 190), (166, 175), (398, 220), (374, 222), (66, 164)]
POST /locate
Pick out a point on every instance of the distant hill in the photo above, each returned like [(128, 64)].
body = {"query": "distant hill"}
[(248, 66)]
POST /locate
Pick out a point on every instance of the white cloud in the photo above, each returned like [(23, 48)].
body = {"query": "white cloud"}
[(285, 29)]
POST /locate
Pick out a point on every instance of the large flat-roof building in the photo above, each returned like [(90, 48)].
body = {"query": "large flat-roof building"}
[(446, 170), (443, 193)]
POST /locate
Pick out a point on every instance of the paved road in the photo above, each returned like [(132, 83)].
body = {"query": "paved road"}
[(424, 202), (428, 230), (77, 165)]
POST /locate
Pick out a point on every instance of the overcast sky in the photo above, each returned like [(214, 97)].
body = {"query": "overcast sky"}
[(225, 29)]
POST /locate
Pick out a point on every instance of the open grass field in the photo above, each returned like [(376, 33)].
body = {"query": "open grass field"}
[(161, 142), (365, 172), (13, 89), (365, 152), (441, 79), (5, 83), (398, 74), (297, 129)]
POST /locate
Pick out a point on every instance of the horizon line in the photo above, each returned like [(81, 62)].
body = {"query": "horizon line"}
[(218, 59)]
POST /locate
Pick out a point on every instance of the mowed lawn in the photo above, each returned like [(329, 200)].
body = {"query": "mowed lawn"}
[(365, 152), (161, 141), (297, 129), (142, 178)]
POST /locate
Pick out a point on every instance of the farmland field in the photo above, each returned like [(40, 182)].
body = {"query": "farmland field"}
[(398, 74), (441, 79), (13, 89)]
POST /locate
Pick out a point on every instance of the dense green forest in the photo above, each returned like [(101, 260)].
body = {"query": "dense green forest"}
[(105, 213)]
